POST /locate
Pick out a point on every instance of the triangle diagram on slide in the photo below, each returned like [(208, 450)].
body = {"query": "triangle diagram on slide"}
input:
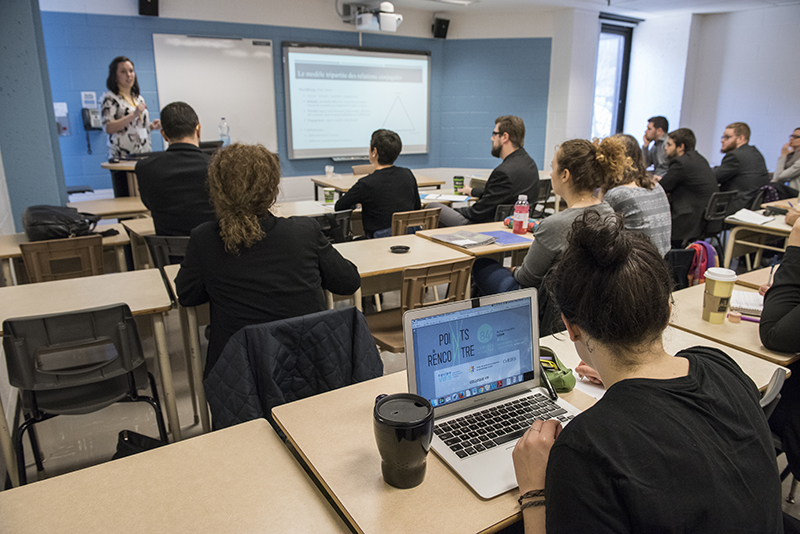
[(397, 119)]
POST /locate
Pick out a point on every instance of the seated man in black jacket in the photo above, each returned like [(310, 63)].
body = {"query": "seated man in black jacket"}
[(387, 190), (517, 175), (690, 182), (173, 183), (743, 168)]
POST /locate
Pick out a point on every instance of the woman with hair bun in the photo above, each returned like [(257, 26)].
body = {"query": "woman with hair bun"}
[(252, 266), (578, 169), (676, 443)]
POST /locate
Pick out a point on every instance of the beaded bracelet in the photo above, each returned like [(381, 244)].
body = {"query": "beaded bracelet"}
[(531, 494)]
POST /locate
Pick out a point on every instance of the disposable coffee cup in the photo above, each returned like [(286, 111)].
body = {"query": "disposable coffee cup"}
[(458, 182), (329, 191), (328, 170), (717, 295), (403, 425)]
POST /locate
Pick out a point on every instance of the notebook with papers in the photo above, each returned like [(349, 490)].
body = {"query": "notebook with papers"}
[(477, 361)]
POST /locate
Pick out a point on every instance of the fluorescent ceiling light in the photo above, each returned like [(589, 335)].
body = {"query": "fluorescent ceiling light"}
[(455, 2)]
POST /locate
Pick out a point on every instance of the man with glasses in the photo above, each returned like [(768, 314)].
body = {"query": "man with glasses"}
[(516, 175), (656, 155), (788, 167), (743, 168)]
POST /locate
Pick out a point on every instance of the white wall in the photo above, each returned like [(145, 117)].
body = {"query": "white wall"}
[(500, 24), (742, 67), (572, 70), (658, 68), (318, 14)]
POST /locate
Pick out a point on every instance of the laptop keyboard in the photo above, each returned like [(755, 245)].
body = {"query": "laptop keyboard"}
[(497, 425)]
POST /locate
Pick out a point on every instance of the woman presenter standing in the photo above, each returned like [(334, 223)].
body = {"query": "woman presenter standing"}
[(124, 112)]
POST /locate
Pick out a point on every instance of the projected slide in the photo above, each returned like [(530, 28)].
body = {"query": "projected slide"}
[(336, 98)]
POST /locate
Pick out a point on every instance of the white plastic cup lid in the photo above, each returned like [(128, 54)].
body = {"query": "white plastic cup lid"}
[(721, 275)]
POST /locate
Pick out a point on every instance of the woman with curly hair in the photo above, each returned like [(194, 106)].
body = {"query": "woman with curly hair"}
[(639, 199), (252, 266), (578, 169)]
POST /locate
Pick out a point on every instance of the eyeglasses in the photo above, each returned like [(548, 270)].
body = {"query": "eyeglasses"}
[(496, 133), (794, 136), (726, 137)]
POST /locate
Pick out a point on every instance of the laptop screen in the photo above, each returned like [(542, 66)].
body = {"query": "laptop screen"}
[(473, 351)]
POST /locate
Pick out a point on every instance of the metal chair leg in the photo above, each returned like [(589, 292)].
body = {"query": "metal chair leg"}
[(792, 490), (37, 452)]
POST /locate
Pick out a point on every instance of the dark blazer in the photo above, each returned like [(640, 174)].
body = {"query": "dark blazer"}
[(281, 276), (381, 194), (517, 175), (742, 170), (690, 182), (173, 187)]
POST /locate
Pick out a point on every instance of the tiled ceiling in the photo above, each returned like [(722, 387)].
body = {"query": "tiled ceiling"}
[(625, 7)]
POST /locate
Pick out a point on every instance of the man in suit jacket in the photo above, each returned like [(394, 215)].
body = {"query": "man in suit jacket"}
[(517, 175), (173, 183), (690, 182), (743, 168), (656, 133)]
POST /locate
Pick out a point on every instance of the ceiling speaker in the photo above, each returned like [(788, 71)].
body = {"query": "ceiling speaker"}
[(148, 8), (440, 28)]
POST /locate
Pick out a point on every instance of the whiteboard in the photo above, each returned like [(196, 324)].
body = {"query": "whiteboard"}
[(231, 78)]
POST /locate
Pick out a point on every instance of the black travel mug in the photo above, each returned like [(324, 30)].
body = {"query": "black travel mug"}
[(403, 425)]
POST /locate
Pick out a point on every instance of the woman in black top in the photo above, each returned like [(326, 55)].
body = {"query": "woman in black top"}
[(252, 266), (677, 443), (779, 331)]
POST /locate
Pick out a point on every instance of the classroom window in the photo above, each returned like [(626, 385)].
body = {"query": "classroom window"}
[(611, 80)]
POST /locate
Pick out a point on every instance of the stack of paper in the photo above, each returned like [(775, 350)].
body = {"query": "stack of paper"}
[(747, 303), (749, 217), (465, 239)]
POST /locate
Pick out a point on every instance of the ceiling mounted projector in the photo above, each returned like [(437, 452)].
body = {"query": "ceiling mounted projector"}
[(382, 18)]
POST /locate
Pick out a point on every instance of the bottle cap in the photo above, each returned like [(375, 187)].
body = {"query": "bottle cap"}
[(523, 197)]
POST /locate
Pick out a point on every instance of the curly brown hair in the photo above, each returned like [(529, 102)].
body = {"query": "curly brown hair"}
[(243, 185), (636, 172), (593, 163)]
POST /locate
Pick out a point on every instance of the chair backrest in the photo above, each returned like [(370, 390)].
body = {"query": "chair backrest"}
[(416, 280), (718, 205), (166, 250), (71, 349), (59, 259), (755, 204), (428, 219), (336, 226), (545, 188), (680, 261), (502, 211), (769, 400), (363, 169)]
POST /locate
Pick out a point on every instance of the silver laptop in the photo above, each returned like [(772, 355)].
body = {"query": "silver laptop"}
[(477, 361)]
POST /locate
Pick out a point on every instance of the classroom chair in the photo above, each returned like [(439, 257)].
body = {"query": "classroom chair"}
[(266, 365), (59, 259), (75, 363), (769, 400), (336, 226), (716, 210), (387, 325), (169, 250), (427, 219)]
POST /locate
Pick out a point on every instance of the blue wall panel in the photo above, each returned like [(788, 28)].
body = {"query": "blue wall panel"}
[(467, 92)]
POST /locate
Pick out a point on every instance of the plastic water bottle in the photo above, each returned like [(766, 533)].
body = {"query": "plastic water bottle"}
[(224, 132), (521, 211)]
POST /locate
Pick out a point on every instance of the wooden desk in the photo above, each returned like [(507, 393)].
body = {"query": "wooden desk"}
[(741, 235), (241, 479), (191, 347), (687, 315), (754, 279), (143, 291), (343, 183), (786, 204), (348, 466), (381, 270), (479, 228), (9, 249), (759, 370), (112, 208)]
